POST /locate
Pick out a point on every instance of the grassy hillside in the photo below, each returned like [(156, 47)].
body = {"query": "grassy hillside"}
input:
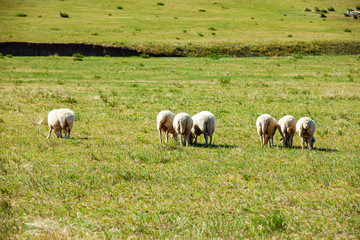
[(138, 23), (113, 179)]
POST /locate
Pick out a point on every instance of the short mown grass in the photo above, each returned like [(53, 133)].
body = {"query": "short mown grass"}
[(113, 179)]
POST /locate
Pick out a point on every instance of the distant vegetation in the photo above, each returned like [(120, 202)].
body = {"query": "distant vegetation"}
[(64, 15), (21, 15), (162, 26)]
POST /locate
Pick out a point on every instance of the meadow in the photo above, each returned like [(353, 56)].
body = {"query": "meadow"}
[(159, 24), (113, 179)]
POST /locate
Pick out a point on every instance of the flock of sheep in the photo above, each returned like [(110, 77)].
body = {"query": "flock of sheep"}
[(189, 128), (267, 125)]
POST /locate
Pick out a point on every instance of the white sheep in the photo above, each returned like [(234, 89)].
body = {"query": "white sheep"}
[(61, 119), (286, 126), (165, 123), (266, 128), (306, 129), (203, 123), (182, 125)]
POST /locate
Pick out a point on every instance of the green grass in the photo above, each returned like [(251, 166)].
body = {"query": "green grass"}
[(114, 180), (253, 22)]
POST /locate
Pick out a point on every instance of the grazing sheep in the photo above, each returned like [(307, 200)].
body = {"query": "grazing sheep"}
[(306, 129), (266, 128), (61, 119), (203, 123), (286, 126), (165, 123), (182, 125)]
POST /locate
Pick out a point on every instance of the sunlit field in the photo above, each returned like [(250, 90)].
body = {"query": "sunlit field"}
[(113, 179), (139, 23)]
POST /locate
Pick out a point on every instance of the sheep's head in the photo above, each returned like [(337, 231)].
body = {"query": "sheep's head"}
[(173, 135), (57, 133)]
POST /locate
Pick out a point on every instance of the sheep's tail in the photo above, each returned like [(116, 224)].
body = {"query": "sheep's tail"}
[(159, 123), (264, 126), (181, 126), (306, 124)]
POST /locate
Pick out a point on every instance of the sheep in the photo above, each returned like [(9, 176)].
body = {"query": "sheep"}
[(182, 125), (165, 123), (286, 126), (61, 119), (306, 129), (266, 128), (203, 123)]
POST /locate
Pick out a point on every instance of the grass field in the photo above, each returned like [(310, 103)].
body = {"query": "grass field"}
[(113, 179), (145, 23)]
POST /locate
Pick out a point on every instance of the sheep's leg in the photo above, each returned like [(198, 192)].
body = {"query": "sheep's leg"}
[(284, 142), (302, 143), (309, 143), (69, 129), (210, 140), (187, 139), (49, 133), (160, 136), (206, 140), (167, 136), (262, 141), (60, 134), (195, 142), (65, 132), (291, 141), (269, 139), (181, 140)]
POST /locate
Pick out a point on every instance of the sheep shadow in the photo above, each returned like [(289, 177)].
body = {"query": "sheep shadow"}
[(314, 149), (199, 145)]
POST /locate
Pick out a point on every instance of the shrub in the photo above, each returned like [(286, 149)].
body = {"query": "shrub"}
[(69, 100), (213, 33), (322, 15), (307, 10), (119, 7), (78, 57), (160, 4), (64, 15), (1, 55), (317, 9), (202, 10), (212, 28), (290, 35), (355, 17), (346, 15), (20, 15), (324, 11), (347, 30), (143, 55), (331, 9), (200, 34), (224, 80), (9, 55)]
